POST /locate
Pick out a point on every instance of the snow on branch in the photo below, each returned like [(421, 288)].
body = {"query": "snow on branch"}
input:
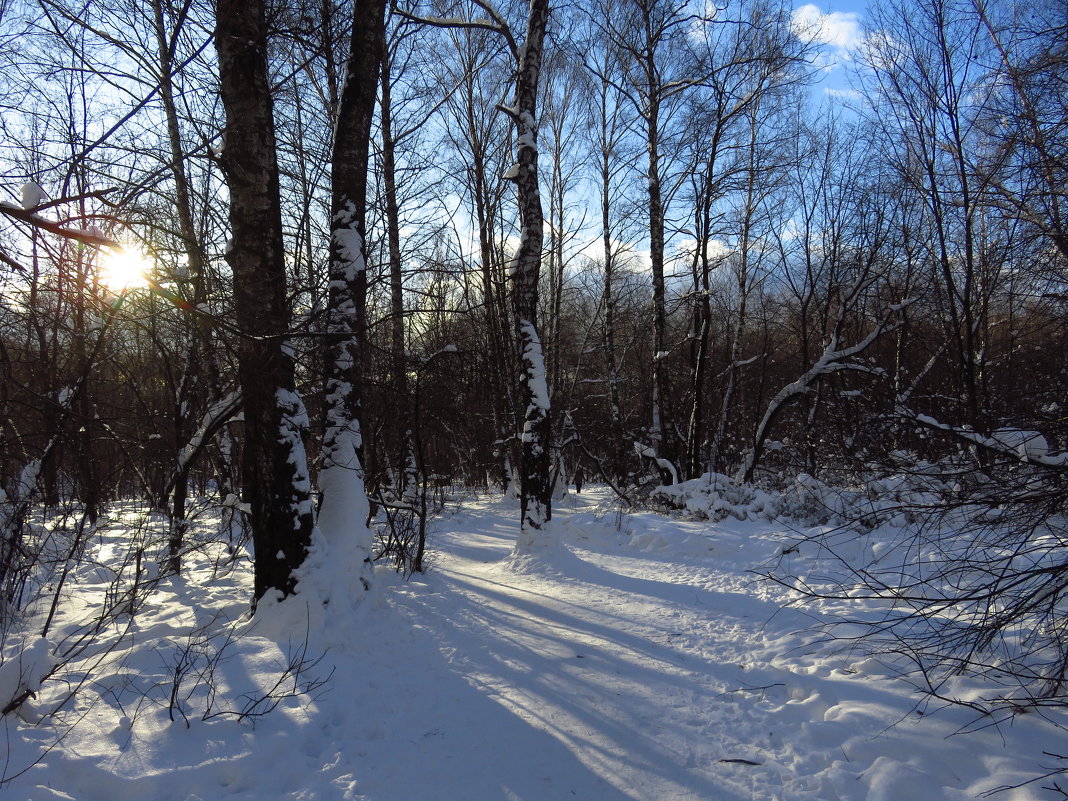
[(495, 23), (832, 360), (220, 412), (1027, 446), (663, 464)]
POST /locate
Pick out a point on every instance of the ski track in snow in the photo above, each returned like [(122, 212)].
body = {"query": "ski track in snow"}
[(641, 662)]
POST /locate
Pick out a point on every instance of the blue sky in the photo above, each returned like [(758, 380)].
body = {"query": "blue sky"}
[(837, 29)]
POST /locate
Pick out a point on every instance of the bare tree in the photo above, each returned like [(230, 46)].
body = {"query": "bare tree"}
[(652, 38), (343, 511), (535, 485), (608, 128), (740, 117), (1028, 123), (477, 63), (926, 74), (275, 469), (535, 481)]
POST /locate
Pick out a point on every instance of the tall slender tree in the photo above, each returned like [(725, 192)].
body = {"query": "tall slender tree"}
[(275, 468), (535, 481), (344, 508), (652, 38)]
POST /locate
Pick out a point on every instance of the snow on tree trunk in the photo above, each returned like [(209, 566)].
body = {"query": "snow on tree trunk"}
[(535, 481), (535, 470), (344, 507)]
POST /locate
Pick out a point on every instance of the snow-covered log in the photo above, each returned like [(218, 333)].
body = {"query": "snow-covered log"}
[(1013, 443)]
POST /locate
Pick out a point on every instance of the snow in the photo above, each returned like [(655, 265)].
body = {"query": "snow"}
[(1028, 444), (643, 661), (350, 249), (294, 423), (348, 245), (32, 195), (27, 480), (338, 566), (534, 362), (25, 669)]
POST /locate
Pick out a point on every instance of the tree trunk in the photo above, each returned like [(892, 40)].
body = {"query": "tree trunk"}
[(535, 479), (500, 344), (618, 447), (275, 468), (199, 360), (406, 478), (344, 508), (665, 438)]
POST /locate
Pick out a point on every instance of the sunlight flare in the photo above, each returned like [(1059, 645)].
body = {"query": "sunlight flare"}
[(124, 268)]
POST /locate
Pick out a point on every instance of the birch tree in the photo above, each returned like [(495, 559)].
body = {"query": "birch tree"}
[(344, 509), (535, 480), (652, 38)]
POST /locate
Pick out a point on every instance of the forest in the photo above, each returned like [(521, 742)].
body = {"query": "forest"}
[(310, 268)]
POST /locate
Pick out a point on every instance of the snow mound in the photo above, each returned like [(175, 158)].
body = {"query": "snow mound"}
[(895, 499), (23, 670), (715, 496)]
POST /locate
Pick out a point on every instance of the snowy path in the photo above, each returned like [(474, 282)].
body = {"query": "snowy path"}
[(647, 664), (641, 662), (617, 666)]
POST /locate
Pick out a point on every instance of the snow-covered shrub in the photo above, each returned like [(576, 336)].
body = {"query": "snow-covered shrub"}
[(971, 564), (715, 496), (865, 503)]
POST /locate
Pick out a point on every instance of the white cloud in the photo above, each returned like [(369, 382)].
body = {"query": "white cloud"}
[(839, 30), (843, 94)]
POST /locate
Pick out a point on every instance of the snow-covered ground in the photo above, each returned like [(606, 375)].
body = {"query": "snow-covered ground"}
[(642, 660)]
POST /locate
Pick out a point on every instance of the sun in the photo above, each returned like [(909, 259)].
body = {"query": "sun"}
[(124, 268)]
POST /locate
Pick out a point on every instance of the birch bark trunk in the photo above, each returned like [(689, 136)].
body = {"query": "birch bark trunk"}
[(344, 506), (535, 483)]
